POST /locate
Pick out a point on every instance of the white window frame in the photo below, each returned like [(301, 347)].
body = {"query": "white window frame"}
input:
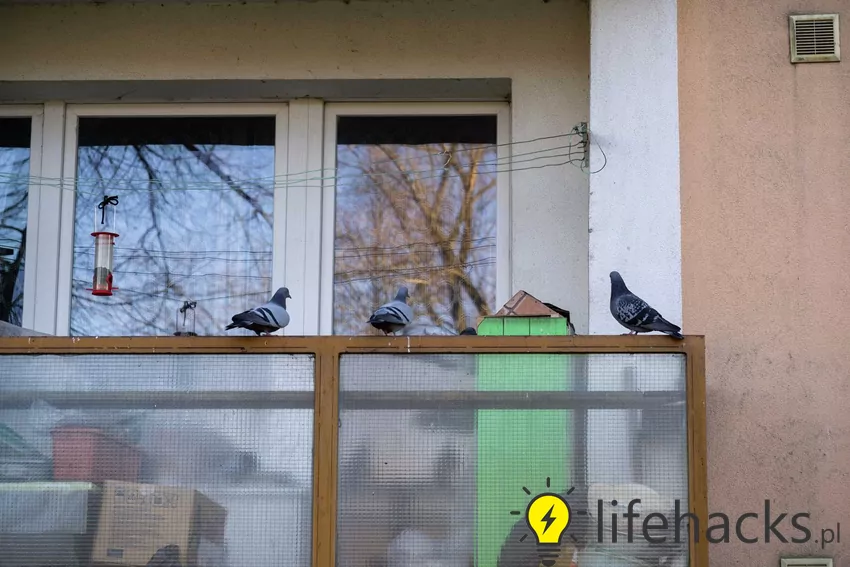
[(280, 247), (325, 250), (36, 115)]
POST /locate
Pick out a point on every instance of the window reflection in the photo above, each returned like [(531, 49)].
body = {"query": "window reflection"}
[(15, 136), (416, 206), (194, 218)]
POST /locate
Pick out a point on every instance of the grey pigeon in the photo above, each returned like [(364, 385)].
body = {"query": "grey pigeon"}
[(420, 329), (266, 318), (635, 314), (168, 556), (393, 316)]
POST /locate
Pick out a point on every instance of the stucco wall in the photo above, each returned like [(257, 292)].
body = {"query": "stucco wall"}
[(542, 47), (765, 166), (635, 218)]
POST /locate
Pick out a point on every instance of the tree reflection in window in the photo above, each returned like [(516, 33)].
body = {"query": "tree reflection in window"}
[(15, 133), (415, 205), (194, 216)]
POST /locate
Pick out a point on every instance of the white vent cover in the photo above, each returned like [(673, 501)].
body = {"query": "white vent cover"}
[(806, 562), (814, 38)]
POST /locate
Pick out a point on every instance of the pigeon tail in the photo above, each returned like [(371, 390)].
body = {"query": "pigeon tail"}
[(662, 325)]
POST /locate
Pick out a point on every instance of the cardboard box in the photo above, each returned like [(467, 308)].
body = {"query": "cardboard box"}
[(138, 519)]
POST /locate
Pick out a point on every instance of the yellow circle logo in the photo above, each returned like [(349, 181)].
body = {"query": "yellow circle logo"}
[(548, 516)]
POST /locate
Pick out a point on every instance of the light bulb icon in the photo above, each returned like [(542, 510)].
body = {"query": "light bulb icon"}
[(548, 516)]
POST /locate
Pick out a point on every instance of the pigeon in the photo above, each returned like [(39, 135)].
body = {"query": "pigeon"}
[(266, 318), (635, 314), (421, 329), (393, 316), (168, 556)]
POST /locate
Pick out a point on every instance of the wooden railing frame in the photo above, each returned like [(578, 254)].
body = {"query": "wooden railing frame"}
[(327, 350)]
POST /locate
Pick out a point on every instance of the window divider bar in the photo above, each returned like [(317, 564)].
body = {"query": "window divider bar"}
[(51, 199), (33, 211), (325, 455)]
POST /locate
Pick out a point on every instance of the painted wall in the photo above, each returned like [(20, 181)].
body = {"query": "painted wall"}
[(541, 47), (766, 240), (634, 225), (634, 198)]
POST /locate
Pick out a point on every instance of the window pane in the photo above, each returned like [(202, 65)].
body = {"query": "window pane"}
[(236, 429), (194, 220), (437, 452), (416, 206), (14, 184)]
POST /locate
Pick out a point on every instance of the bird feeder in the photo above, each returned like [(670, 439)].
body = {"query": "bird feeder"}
[(187, 328), (104, 243)]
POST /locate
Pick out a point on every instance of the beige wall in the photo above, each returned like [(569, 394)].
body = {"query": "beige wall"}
[(765, 170)]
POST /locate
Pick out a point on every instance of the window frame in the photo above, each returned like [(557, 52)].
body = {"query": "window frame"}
[(36, 114), (325, 248), (73, 112)]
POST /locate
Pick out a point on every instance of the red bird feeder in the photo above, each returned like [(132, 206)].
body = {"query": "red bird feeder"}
[(104, 243)]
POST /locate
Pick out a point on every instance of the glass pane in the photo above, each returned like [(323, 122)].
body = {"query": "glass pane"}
[(441, 455), (14, 186), (103, 458), (415, 206), (194, 220)]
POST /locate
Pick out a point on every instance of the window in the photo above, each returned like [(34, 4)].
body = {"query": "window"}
[(453, 490), (195, 218), (416, 202), (234, 430), (15, 163)]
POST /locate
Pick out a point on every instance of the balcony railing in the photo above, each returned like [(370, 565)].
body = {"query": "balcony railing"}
[(351, 451)]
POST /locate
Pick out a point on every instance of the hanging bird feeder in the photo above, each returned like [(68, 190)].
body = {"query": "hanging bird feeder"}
[(104, 243), (187, 328)]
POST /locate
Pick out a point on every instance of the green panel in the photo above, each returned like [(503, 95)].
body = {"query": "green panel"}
[(492, 326), (541, 326), (517, 326), (518, 448)]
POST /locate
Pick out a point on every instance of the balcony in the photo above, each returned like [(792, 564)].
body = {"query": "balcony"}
[(349, 451)]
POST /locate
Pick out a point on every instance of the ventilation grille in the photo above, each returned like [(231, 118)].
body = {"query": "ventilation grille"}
[(814, 38), (806, 562)]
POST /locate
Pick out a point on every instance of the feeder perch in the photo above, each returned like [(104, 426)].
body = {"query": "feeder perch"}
[(187, 328), (104, 244)]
